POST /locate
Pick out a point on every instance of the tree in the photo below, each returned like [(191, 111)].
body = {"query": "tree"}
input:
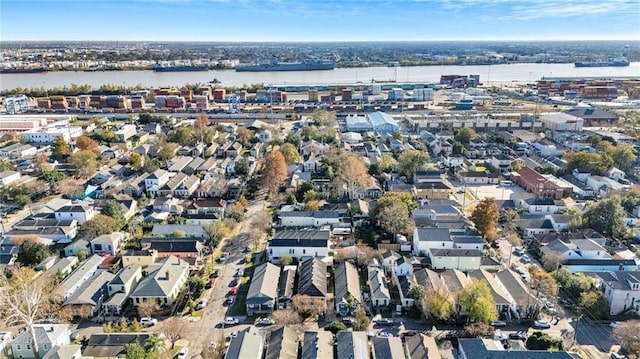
[(99, 225), (286, 317), (290, 153), (135, 161), (574, 283), (32, 252), (412, 161), (623, 155), (476, 301), (542, 281), (242, 167), (166, 151), (60, 149), (395, 219), (335, 327), (606, 217), (543, 341), (595, 303), (437, 304), (478, 330), (275, 171), (351, 173), (147, 308), (87, 143), (417, 292), (135, 351), (324, 118), (53, 177), (217, 349), (596, 163), (385, 164), (313, 206), (465, 135), (485, 217), (285, 260), (403, 198), (307, 306), (136, 327), (22, 200), (551, 261), (86, 162), (114, 209), (182, 135), (155, 344), (627, 334), (361, 322), (24, 300), (244, 136)]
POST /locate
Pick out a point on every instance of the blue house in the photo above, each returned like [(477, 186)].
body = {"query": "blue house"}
[(382, 122)]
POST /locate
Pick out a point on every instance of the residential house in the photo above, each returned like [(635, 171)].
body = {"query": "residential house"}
[(387, 348), (186, 249), (421, 347), (8, 177), (502, 162), (69, 351), (46, 230), (47, 337), (431, 190), (312, 280), (308, 218), (594, 117), (389, 260), (78, 277), (108, 243), (525, 301), (234, 150), (263, 290), (17, 151), (163, 283), (113, 345), (478, 348), (402, 267), (622, 290), (88, 298), (543, 205), (504, 303), (283, 344), (62, 267), (479, 177), (169, 230), (249, 343), (299, 244), (154, 181), (120, 287), (286, 287), (347, 287), (142, 257), (193, 166), (317, 344), (379, 290), (352, 345), (74, 248), (80, 212), (207, 205), (426, 238), (178, 163), (135, 186), (313, 147)]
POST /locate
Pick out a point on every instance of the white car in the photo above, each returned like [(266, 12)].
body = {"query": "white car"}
[(525, 259), (201, 304), (498, 323), (148, 321), (614, 324), (182, 354), (384, 335), (231, 321), (232, 335), (541, 324), (265, 321)]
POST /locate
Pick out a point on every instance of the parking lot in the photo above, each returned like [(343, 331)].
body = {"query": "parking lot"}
[(499, 192)]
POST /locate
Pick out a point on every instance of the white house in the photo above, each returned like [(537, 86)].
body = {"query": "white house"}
[(8, 177), (155, 180), (48, 135), (164, 282), (126, 132), (543, 205), (453, 258), (299, 244), (380, 296), (80, 275), (81, 212), (108, 243), (402, 267), (426, 238), (308, 218), (622, 290), (48, 335)]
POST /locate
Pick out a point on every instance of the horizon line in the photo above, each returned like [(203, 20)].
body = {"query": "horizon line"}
[(331, 41)]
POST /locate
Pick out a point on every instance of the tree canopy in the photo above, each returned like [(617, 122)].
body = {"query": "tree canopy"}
[(114, 209), (99, 225), (623, 155), (290, 153), (60, 149), (87, 143), (275, 171), (465, 135), (394, 219), (477, 302), (485, 217), (596, 163), (437, 304), (412, 161), (86, 162), (32, 252), (351, 173), (607, 217)]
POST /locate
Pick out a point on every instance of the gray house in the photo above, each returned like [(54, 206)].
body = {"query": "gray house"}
[(347, 287), (263, 290)]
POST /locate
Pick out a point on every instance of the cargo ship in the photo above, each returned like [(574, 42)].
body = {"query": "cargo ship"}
[(617, 62), (274, 65), (180, 68), (24, 70)]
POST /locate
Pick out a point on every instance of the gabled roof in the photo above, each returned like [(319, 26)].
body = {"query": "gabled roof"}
[(282, 344), (110, 345), (89, 265), (433, 235), (478, 348), (158, 284), (312, 278), (388, 348), (347, 281), (174, 245), (518, 290), (248, 344), (264, 284), (91, 291), (378, 284), (300, 238), (500, 296), (455, 252), (45, 334), (125, 274), (286, 284), (157, 174)]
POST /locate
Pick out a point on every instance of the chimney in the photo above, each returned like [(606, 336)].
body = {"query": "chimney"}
[(166, 275)]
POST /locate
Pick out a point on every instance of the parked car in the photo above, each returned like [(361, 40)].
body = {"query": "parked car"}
[(518, 336), (201, 304), (614, 324), (498, 323), (210, 283), (265, 321), (541, 324), (223, 258), (246, 250), (385, 322), (215, 274), (240, 272), (233, 283), (182, 354), (231, 321), (230, 300), (233, 291), (525, 259), (232, 335), (148, 321), (384, 335)]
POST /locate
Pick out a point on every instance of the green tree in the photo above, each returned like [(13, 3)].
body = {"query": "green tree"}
[(606, 217), (477, 302), (351, 174), (385, 164), (114, 209), (86, 162), (290, 153), (361, 322), (412, 161), (183, 136), (437, 304), (465, 135), (166, 151), (595, 303), (542, 281), (135, 161), (324, 118), (623, 155), (53, 177), (313, 206), (155, 345), (136, 327), (60, 149), (596, 163), (135, 351), (543, 341), (403, 198), (485, 217), (285, 260), (99, 225), (32, 252), (22, 200), (242, 167), (335, 327), (395, 219)]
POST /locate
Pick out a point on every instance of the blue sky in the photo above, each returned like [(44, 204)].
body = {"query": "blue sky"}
[(319, 20)]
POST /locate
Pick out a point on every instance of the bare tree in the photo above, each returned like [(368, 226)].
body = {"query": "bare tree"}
[(216, 350), (551, 261), (148, 307), (308, 306), (627, 333), (172, 329), (24, 300), (286, 317)]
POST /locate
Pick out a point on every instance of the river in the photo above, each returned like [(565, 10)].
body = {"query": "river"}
[(426, 74)]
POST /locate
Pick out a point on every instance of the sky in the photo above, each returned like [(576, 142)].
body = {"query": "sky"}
[(318, 20)]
